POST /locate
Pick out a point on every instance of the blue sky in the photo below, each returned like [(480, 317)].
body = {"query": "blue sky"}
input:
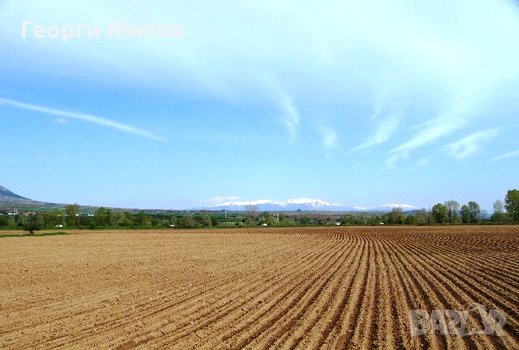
[(356, 103)]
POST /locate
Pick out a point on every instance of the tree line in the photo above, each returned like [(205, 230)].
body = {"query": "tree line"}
[(449, 212), (452, 212)]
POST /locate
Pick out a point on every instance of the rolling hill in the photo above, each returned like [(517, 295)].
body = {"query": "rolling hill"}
[(11, 200)]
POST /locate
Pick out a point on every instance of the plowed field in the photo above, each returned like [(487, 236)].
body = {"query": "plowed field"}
[(306, 288)]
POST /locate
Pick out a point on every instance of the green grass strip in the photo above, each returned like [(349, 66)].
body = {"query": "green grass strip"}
[(37, 234)]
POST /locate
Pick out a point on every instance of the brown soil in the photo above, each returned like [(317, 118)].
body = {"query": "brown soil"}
[(306, 288)]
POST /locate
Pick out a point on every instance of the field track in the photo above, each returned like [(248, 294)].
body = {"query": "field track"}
[(305, 288)]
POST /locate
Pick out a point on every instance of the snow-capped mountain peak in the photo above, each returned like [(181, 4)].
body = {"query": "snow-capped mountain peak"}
[(291, 204), (400, 206), (310, 204)]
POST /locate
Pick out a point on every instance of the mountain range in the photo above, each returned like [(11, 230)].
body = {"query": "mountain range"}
[(11, 200), (304, 204), (6, 194)]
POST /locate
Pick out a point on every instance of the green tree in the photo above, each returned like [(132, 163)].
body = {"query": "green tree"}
[(251, 213), (361, 219), (4, 220), (512, 204), (465, 214), (142, 219), (33, 223), (72, 214), (499, 215), (396, 216), (53, 218), (439, 213), (103, 216), (207, 222), (215, 220), (421, 217), (11, 222), (474, 212), (266, 218), (305, 221), (348, 219), (20, 220), (173, 221), (452, 208), (188, 221), (122, 218)]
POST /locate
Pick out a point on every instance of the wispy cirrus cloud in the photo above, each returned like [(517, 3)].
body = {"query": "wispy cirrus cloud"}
[(470, 145), (430, 132), (291, 116), (507, 155), (61, 121), (382, 134), (424, 161), (330, 139), (66, 115), (278, 94)]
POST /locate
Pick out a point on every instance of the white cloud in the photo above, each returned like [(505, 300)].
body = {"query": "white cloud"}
[(470, 145), (61, 121), (384, 131), (108, 123), (508, 155), (424, 161), (431, 131), (417, 53), (330, 138), (277, 93), (291, 116)]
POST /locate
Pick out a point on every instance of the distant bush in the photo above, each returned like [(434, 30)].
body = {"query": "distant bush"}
[(31, 225)]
